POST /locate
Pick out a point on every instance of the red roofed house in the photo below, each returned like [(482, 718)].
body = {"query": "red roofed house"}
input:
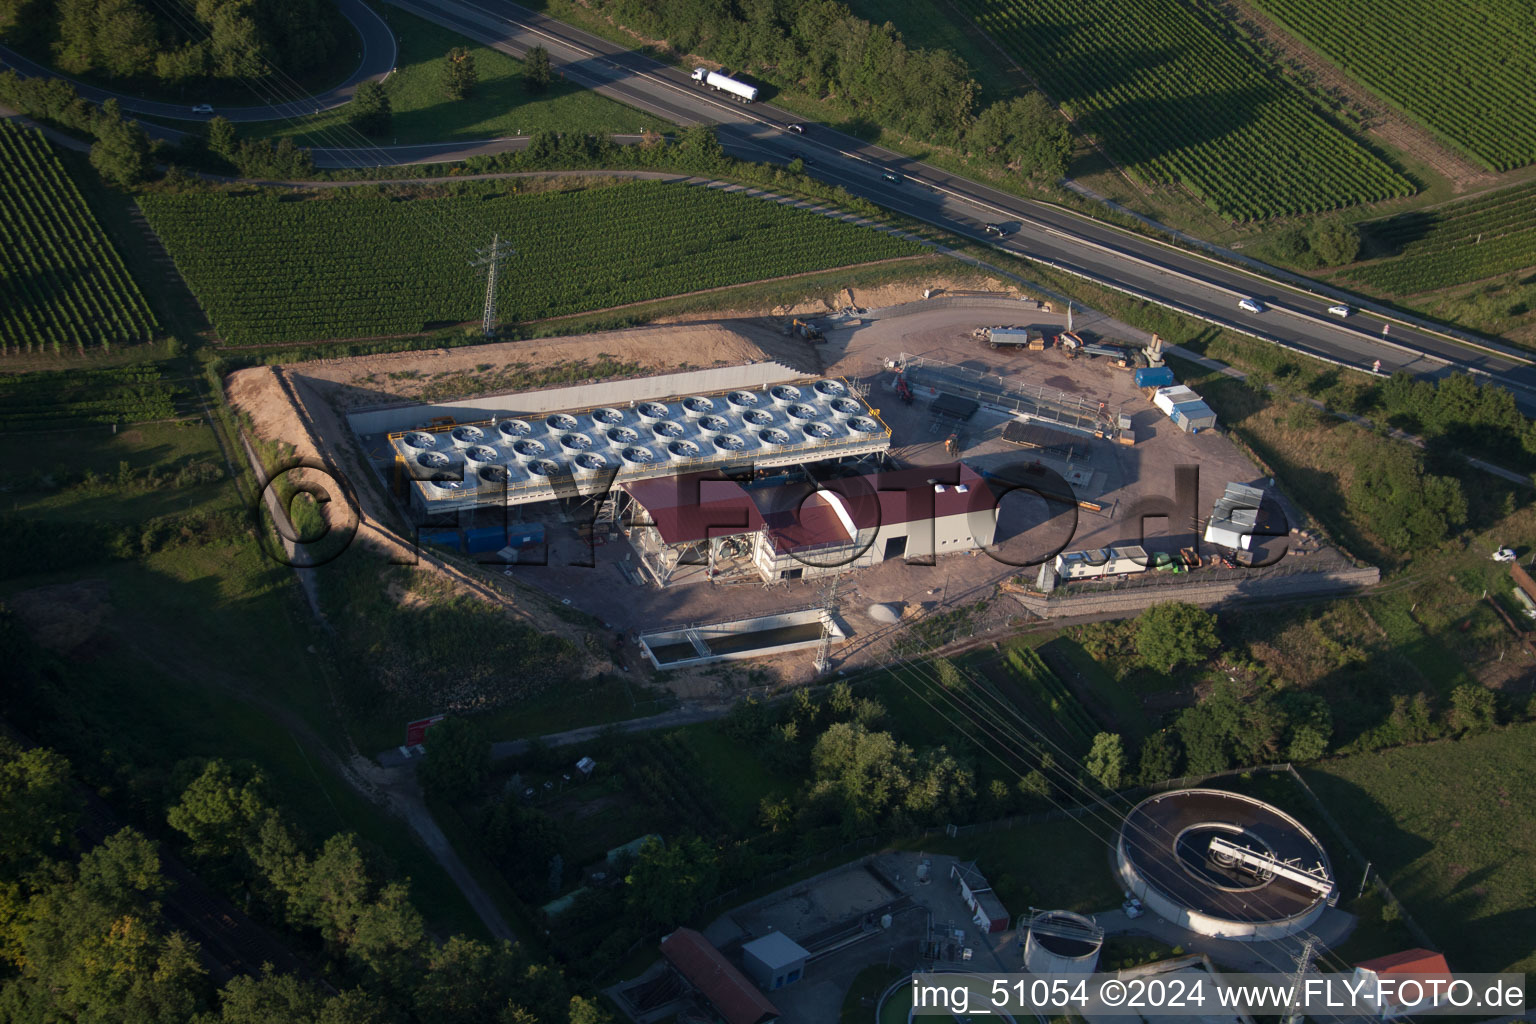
[(1391, 971), (790, 531), (732, 994)]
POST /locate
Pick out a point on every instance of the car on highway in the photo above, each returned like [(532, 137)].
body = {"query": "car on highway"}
[(798, 129), (892, 177), (202, 108), (1340, 310), (996, 229), (807, 161), (1250, 305)]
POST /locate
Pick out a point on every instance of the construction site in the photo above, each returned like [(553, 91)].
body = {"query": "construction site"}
[(861, 470)]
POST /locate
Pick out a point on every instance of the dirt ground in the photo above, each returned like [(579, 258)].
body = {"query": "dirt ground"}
[(64, 617)]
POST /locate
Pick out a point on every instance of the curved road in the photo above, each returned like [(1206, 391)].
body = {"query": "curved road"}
[(374, 63)]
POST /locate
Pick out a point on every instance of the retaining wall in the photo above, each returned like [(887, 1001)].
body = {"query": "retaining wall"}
[(1134, 599)]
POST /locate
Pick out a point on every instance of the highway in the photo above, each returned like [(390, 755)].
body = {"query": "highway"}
[(1192, 283), (1068, 241)]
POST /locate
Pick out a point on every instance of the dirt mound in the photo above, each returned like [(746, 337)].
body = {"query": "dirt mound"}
[(63, 618)]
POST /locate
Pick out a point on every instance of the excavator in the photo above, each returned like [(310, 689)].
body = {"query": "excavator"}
[(807, 330)]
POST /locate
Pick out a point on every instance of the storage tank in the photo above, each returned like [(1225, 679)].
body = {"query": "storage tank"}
[(725, 83), (1061, 942)]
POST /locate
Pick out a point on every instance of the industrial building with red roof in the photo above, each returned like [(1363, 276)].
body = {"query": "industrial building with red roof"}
[(731, 993)]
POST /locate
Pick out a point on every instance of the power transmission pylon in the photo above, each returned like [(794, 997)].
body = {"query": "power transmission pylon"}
[(491, 258), (1294, 1012), (828, 609)]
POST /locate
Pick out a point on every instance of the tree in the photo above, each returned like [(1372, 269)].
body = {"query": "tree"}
[(389, 934), (222, 140), (283, 997), (1174, 633), (336, 891), (221, 809), (668, 883), (121, 151), (1158, 760), (1398, 501), (459, 74), (1309, 723), (1105, 763), (700, 147), (1026, 133), (38, 806), (863, 774), (588, 1011), (1474, 708), (1333, 242), (537, 73), (940, 786), (458, 757), (369, 112)]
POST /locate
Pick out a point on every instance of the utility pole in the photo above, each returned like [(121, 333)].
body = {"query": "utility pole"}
[(1294, 1014), (1069, 316), (1367, 876), (491, 259)]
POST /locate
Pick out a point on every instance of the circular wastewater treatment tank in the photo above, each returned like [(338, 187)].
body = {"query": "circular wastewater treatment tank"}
[(653, 410), (817, 431), (1165, 859), (560, 422), (607, 417), (638, 455), (576, 442), (845, 408), (666, 428), (482, 454), (714, 424), (590, 462), (773, 436), (493, 474), (698, 406), (742, 399), (864, 425), (1061, 942), (756, 418), (784, 394), (528, 449), (831, 388), (466, 435), (729, 443), (623, 435), (683, 450), (801, 412), (543, 468), (514, 429), (420, 440)]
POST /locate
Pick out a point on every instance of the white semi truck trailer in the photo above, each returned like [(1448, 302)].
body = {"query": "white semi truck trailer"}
[(715, 80)]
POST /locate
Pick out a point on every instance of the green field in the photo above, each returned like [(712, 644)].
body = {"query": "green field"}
[(500, 105), (1466, 72), (282, 268), (1468, 241), (1176, 98), (118, 394), (62, 284), (1449, 826)]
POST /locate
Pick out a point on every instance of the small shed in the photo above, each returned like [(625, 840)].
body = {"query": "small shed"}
[(986, 909), (1235, 517), (1193, 417), (1154, 377), (775, 960)]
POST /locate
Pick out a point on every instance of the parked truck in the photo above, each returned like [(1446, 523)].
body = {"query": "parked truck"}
[(715, 80)]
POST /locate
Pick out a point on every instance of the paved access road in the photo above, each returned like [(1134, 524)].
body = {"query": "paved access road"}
[(280, 100), (1067, 240)]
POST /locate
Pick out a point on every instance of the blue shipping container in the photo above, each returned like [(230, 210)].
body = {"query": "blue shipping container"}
[(493, 538), (1154, 377), (442, 537)]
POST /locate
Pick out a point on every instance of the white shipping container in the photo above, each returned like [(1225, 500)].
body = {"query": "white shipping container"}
[(1167, 398)]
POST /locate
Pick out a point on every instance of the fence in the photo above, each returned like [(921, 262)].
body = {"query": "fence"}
[(1130, 596)]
